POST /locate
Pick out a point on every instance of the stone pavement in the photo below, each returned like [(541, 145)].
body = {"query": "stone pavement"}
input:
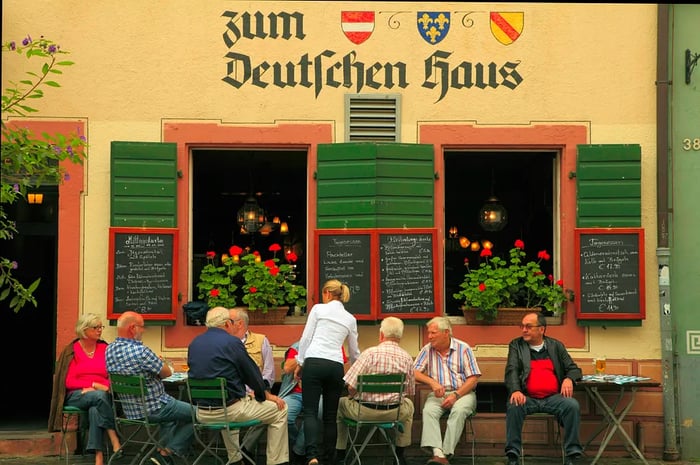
[(89, 460)]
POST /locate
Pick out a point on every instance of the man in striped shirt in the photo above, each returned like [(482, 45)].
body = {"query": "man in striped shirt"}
[(449, 367), (386, 358)]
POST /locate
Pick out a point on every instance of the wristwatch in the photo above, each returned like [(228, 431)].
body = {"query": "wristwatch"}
[(456, 394)]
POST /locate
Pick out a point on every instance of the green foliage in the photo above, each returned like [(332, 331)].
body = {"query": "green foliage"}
[(29, 160), (499, 283), (261, 285)]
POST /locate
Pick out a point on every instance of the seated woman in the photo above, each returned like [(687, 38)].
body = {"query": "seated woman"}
[(81, 381)]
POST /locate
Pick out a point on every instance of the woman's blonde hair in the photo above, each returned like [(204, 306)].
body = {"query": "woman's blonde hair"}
[(86, 320), (337, 290)]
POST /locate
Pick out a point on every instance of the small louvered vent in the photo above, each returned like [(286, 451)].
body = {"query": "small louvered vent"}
[(372, 118)]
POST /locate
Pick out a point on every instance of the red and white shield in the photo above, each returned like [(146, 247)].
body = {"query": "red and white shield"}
[(357, 25)]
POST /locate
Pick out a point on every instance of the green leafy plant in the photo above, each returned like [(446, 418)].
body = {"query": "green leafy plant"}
[(260, 284), (498, 283), (29, 160)]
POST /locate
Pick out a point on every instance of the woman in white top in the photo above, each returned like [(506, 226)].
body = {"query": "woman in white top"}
[(320, 362)]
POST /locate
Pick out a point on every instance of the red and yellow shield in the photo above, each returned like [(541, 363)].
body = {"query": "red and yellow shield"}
[(506, 26)]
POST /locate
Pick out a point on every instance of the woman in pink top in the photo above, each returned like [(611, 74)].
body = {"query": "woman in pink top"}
[(81, 381)]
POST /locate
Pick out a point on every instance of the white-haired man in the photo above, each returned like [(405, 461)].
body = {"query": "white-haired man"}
[(385, 358)]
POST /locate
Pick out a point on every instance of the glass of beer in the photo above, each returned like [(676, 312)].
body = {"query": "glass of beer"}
[(600, 366)]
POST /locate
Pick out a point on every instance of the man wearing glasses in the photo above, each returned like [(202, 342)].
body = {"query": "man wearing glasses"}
[(539, 378), (128, 355)]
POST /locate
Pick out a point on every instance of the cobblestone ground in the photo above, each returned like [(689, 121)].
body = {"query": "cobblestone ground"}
[(90, 460)]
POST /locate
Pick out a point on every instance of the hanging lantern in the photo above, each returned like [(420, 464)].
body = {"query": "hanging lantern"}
[(251, 216), (493, 215)]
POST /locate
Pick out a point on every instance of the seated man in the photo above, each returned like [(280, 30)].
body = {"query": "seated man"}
[(449, 367), (386, 358), (128, 355), (539, 378), (219, 353)]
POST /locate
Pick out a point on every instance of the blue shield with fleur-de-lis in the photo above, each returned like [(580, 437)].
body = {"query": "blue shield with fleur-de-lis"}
[(433, 25)]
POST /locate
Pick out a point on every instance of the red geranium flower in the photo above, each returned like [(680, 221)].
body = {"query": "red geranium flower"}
[(211, 254), (235, 250), (214, 293), (486, 253), (482, 287), (275, 248), (253, 289), (519, 244)]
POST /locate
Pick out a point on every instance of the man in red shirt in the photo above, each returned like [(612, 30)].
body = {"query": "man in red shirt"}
[(540, 377)]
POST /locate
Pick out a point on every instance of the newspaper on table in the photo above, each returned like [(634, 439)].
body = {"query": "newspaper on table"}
[(616, 379)]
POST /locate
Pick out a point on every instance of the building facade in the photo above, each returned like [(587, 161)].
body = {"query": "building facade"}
[(191, 109)]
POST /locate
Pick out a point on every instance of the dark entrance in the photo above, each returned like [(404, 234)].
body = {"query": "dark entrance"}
[(29, 336)]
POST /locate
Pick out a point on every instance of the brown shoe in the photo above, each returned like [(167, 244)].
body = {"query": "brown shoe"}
[(438, 461)]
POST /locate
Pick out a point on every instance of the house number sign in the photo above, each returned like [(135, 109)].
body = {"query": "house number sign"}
[(691, 144)]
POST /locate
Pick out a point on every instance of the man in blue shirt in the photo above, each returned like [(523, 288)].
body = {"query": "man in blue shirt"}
[(218, 353), (128, 355)]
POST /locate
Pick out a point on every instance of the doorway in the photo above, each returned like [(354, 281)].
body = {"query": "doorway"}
[(30, 334)]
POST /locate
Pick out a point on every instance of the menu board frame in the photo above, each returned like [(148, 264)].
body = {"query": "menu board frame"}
[(376, 312), (629, 237), (166, 312)]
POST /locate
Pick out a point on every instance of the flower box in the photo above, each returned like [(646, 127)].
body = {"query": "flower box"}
[(273, 316), (506, 316)]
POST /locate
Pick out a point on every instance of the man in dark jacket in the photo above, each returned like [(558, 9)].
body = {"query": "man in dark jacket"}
[(540, 377)]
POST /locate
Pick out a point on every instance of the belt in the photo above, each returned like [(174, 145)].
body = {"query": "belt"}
[(379, 406), (211, 408)]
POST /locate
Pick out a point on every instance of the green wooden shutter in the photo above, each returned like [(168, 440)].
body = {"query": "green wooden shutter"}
[(609, 186), (144, 184), (375, 185)]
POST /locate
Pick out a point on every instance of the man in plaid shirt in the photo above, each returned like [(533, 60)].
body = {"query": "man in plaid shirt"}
[(449, 367), (128, 355), (386, 358)]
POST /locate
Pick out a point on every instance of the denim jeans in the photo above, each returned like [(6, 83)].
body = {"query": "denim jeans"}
[(565, 409), (176, 430), (294, 409), (98, 404)]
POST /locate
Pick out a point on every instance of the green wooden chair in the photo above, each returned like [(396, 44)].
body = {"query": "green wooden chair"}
[(386, 429), (208, 394)]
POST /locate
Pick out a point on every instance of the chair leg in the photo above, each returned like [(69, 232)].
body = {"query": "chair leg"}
[(473, 435)]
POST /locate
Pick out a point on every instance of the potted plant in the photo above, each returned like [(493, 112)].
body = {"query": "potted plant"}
[(262, 285), (499, 283)]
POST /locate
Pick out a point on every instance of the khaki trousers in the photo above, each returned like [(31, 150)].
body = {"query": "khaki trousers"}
[(348, 408), (249, 409)]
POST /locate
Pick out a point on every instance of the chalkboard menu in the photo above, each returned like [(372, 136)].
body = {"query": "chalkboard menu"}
[(610, 273), (406, 273), (142, 272), (347, 258), (390, 271)]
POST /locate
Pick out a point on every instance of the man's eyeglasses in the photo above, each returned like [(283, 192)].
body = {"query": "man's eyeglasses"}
[(139, 326), (529, 327), (233, 322), (98, 327)]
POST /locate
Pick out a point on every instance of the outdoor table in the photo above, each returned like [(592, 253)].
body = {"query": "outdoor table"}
[(614, 413), (178, 380)]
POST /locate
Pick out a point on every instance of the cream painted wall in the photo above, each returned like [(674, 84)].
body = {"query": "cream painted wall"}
[(141, 63)]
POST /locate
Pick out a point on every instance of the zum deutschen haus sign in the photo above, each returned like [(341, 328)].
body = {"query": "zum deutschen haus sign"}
[(324, 69)]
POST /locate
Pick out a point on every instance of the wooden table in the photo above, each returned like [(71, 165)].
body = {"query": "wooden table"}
[(614, 413)]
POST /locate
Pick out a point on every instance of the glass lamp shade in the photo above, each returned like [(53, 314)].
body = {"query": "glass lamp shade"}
[(493, 215), (251, 216)]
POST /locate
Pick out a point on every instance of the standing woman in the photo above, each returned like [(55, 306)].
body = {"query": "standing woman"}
[(81, 381), (320, 362)]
